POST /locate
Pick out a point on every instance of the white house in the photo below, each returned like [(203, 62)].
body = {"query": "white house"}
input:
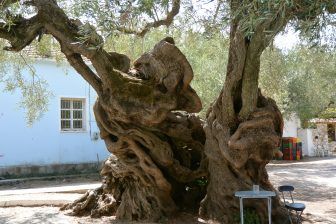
[(292, 128), (319, 141), (66, 134)]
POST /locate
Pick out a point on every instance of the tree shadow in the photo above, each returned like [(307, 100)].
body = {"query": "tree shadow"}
[(179, 218), (41, 217), (311, 181), (314, 182), (4, 219)]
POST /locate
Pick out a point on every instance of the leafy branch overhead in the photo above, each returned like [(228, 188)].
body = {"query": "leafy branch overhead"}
[(152, 11), (74, 38), (130, 17), (305, 15)]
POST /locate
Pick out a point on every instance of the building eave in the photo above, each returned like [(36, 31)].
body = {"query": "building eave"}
[(323, 120)]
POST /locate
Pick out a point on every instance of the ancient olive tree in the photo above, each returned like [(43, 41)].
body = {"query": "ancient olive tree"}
[(142, 112), (243, 128), (162, 154)]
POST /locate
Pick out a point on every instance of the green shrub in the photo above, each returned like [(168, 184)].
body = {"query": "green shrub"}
[(250, 217)]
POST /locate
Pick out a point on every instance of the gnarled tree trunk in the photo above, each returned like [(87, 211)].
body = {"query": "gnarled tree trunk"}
[(157, 163), (243, 130), (144, 114)]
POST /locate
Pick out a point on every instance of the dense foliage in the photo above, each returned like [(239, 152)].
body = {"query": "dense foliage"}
[(301, 80)]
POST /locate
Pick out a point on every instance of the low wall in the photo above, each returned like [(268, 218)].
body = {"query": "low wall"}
[(53, 169)]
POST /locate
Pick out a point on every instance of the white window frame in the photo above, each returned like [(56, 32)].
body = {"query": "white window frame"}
[(71, 129)]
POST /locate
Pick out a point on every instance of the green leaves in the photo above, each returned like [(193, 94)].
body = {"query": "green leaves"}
[(253, 14), (18, 74), (330, 112), (35, 98), (302, 81), (111, 16), (208, 58), (89, 36)]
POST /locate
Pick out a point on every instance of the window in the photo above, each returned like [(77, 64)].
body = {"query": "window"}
[(72, 114), (331, 133)]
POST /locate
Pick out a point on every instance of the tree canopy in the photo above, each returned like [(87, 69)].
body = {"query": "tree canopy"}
[(211, 30), (302, 80)]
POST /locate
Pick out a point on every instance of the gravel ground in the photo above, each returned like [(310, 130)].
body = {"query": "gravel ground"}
[(314, 181), (52, 215)]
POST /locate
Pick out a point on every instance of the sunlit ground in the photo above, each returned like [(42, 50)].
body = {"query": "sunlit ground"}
[(314, 180)]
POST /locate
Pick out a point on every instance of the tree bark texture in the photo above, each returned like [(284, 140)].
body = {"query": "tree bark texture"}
[(157, 163), (144, 113), (243, 130)]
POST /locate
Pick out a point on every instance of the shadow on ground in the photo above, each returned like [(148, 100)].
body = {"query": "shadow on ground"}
[(314, 181), (52, 215)]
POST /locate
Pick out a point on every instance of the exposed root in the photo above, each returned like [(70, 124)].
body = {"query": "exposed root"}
[(94, 203)]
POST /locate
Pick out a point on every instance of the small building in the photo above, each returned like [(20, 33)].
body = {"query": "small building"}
[(319, 141), (65, 138), (324, 136), (292, 128)]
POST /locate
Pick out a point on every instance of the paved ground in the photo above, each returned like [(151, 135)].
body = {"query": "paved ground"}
[(315, 185), (56, 196), (49, 181), (314, 180)]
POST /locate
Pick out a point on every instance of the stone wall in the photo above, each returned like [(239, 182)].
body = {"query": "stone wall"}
[(320, 139), (332, 147)]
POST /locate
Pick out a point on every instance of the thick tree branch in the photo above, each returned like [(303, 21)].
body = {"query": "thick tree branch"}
[(22, 33), (250, 77), (235, 68), (163, 22), (76, 61), (52, 20), (257, 45)]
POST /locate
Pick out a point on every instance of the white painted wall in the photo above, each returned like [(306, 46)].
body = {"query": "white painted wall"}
[(306, 137), (44, 143), (291, 126)]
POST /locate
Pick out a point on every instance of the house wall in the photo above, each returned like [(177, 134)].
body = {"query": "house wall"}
[(320, 138), (306, 137), (43, 143), (291, 126)]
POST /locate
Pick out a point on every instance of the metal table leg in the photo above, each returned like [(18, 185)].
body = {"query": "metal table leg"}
[(241, 210), (269, 210)]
